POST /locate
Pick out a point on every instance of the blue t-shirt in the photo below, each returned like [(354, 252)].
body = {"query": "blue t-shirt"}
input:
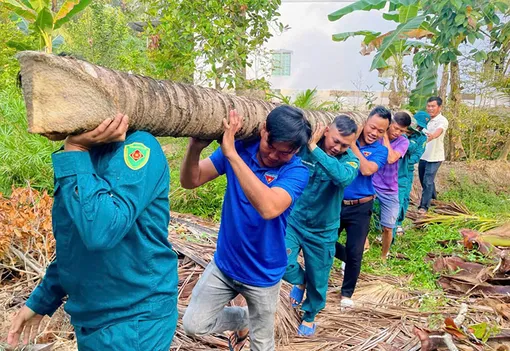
[(251, 249), (362, 186)]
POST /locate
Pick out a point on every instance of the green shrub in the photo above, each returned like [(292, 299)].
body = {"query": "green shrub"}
[(102, 36), (24, 158)]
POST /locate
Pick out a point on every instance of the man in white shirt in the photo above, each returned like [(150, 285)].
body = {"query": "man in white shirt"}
[(434, 152)]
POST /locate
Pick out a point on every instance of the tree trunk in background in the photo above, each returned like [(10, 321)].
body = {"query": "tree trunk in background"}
[(66, 95), (456, 150), (444, 83), (505, 151)]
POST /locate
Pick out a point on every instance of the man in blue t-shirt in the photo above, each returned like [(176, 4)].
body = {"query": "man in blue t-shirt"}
[(359, 198), (264, 180)]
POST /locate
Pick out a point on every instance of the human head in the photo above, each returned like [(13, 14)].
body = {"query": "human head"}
[(376, 125), (339, 135), (399, 123), (285, 131), (434, 106), (422, 119)]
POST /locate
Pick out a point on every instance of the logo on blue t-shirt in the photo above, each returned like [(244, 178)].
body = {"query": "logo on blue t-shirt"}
[(367, 153), (270, 177)]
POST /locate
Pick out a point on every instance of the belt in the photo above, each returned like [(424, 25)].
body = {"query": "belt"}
[(363, 200)]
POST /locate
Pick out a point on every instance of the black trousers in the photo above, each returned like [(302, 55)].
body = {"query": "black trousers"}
[(355, 219), (427, 172)]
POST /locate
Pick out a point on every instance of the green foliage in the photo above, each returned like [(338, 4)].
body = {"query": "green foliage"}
[(26, 158), (478, 199), (360, 5), (100, 34), (483, 132), (401, 32), (426, 80), (415, 245), (305, 99), (205, 201), (217, 35), (10, 33), (42, 19), (368, 35), (447, 24)]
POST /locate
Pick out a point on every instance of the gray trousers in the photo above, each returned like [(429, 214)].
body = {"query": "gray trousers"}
[(207, 313)]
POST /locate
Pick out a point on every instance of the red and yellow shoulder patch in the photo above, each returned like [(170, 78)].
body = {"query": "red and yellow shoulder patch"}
[(136, 155)]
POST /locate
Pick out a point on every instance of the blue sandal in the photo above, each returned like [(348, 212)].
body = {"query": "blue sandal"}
[(296, 294), (303, 330)]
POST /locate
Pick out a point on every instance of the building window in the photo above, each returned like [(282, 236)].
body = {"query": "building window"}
[(281, 63)]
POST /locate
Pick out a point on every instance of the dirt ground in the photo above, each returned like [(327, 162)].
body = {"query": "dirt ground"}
[(495, 175)]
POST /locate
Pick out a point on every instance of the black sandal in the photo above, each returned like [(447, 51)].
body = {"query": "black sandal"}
[(235, 341)]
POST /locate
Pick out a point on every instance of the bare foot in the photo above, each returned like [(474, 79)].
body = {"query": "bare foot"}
[(243, 333)]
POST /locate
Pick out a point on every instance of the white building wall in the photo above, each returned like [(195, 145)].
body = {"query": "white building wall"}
[(318, 61)]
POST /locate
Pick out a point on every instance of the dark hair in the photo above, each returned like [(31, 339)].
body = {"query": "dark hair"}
[(402, 119), (382, 112), (436, 99), (288, 124), (345, 125)]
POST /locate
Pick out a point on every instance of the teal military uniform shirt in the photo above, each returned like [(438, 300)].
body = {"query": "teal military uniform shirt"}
[(417, 143), (314, 222), (110, 222), (318, 209)]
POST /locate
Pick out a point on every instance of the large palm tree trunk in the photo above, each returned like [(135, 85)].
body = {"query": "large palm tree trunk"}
[(67, 95)]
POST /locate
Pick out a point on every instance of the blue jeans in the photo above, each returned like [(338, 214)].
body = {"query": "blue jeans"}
[(206, 313), (427, 172)]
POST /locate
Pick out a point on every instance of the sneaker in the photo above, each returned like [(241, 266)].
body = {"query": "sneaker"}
[(342, 267), (346, 302), (379, 239)]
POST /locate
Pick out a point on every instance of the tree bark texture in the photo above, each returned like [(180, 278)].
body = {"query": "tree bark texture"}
[(456, 150), (64, 95), (444, 83)]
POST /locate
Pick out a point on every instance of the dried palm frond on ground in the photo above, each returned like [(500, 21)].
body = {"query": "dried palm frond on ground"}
[(454, 214), (384, 317)]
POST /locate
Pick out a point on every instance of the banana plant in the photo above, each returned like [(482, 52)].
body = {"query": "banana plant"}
[(446, 24), (38, 14)]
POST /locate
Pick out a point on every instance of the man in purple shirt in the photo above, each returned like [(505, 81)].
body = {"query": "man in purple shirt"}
[(385, 181)]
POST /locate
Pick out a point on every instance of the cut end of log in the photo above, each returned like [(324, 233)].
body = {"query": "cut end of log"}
[(59, 98)]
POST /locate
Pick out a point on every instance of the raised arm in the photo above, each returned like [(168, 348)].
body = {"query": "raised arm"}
[(269, 202), (195, 172)]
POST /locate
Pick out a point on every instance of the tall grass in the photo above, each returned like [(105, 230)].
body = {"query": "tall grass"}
[(24, 158)]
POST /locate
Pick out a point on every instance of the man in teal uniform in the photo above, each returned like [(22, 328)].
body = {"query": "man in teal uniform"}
[(417, 143), (314, 222), (113, 259)]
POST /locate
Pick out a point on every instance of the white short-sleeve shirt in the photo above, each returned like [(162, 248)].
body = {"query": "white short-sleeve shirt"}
[(434, 151)]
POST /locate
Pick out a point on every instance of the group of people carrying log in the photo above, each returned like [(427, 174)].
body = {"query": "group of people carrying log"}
[(292, 191)]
